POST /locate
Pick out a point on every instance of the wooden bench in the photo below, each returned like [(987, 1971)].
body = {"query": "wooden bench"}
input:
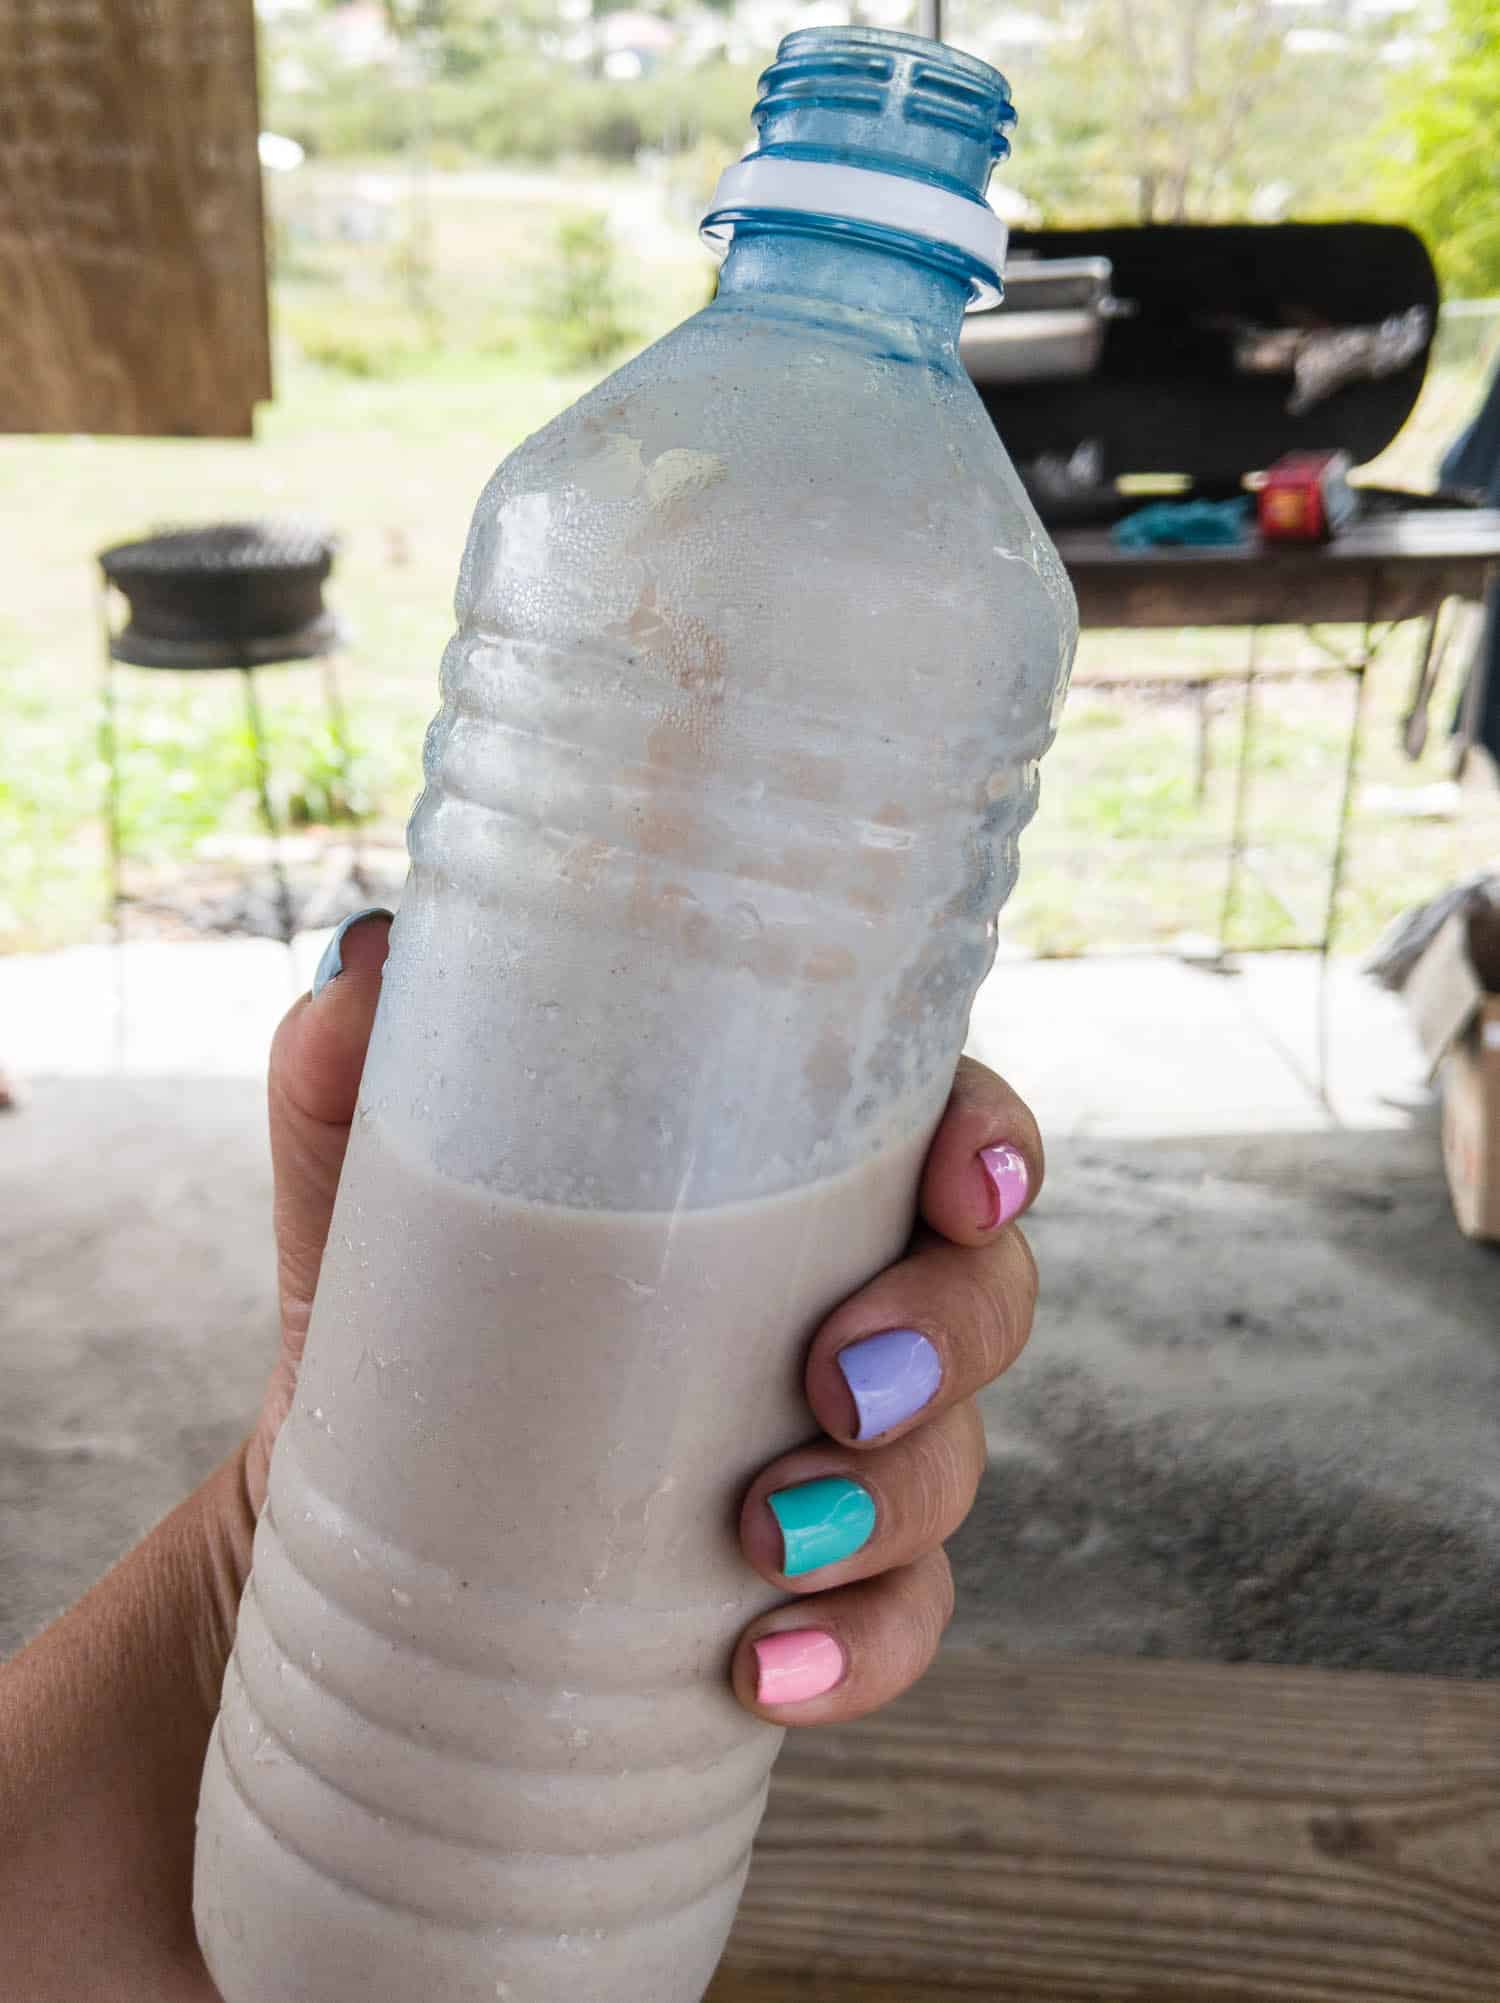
[(1097, 1831)]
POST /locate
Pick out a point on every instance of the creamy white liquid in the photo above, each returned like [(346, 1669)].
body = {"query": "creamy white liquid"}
[(477, 1739)]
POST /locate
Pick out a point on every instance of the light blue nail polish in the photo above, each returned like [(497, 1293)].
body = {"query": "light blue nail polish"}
[(332, 963), (822, 1523)]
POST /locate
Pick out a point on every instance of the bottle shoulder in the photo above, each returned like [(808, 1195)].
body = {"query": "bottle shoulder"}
[(737, 427)]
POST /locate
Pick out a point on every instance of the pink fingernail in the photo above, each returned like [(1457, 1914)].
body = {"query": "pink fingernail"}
[(1006, 1170), (795, 1665)]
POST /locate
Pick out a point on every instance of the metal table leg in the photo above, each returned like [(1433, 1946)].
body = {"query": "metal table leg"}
[(1414, 724), (267, 811), (1201, 765), (1241, 795), (338, 728), (109, 757), (1475, 686), (1360, 669)]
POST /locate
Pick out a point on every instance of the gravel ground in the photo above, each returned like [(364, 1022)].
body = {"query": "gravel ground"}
[(1258, 1420)]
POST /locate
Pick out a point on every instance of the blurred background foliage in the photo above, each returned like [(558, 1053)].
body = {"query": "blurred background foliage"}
[(477, 208), (1133, 110)]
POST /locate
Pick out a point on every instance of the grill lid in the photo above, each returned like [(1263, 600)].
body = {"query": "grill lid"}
[(220, 548), (1181, 385), (223, 594)]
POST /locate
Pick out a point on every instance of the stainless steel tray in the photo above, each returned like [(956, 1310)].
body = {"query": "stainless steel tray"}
[(1049, 327), (1002, 347)]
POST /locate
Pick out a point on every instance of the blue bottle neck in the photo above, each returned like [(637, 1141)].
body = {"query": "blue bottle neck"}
[(805, 270)]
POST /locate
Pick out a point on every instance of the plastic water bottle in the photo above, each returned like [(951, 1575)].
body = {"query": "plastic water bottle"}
[(758, 648)]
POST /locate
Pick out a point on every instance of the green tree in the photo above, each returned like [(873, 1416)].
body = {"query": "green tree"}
[(1181, 110), (459, 37), (580, 310), (1443, 171)]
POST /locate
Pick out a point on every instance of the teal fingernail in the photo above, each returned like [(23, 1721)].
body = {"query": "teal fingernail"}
[(822, 1523), (332, 963)]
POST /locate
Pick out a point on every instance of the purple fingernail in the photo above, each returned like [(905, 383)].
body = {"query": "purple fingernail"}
[(1007, 1173), (891, 1376)]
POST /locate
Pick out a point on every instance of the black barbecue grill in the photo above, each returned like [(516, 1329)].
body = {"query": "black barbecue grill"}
[(1202, 353), (226, 595), (230, 595)]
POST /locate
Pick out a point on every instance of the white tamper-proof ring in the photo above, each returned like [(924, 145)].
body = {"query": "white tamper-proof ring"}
[(858, 194)]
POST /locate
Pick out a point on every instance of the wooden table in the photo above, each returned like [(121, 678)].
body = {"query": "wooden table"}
[(1134, 1832)]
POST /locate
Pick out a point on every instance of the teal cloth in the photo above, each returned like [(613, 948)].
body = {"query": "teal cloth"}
[(1206, 524)]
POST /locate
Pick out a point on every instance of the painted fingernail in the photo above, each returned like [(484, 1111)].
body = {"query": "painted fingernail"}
[(332, 963), (794, 1666), (890, 1376), (1010, 1181), (822, 1523)]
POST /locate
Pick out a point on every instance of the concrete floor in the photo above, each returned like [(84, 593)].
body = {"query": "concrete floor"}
[(1256, 1421)]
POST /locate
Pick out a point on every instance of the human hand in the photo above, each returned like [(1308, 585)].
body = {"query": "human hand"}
[(852, 1526), (105, 1717)]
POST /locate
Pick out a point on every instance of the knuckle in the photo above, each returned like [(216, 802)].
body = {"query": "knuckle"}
[(933, 1593), (976, 1452), (996, 1308), (941, 1474), (1029, 1275), (947, 1593)]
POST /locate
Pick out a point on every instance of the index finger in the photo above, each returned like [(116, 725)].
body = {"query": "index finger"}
[(985, 1165)]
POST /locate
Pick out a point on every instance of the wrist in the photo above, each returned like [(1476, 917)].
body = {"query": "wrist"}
[(104, 1722), (210, 1536)]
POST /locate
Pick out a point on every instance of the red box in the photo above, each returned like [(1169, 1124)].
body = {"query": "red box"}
[(1305, 497)]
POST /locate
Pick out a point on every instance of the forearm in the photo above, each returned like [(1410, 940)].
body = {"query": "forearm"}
[(104, 1722)]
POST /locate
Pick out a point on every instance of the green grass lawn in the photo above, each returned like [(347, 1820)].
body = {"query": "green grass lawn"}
[(394, 466), (1122, 852)]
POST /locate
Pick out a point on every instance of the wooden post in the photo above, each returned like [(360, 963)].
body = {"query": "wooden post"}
[(132, 242)]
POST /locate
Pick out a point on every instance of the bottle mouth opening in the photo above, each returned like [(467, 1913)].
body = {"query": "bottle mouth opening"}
[(900, 42), (930, 108)]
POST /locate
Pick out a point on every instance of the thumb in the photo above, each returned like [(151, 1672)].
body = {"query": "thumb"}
[(317, 1059)]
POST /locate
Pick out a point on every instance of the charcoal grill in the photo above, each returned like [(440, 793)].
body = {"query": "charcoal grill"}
[(211, 598), (1198, 343)]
